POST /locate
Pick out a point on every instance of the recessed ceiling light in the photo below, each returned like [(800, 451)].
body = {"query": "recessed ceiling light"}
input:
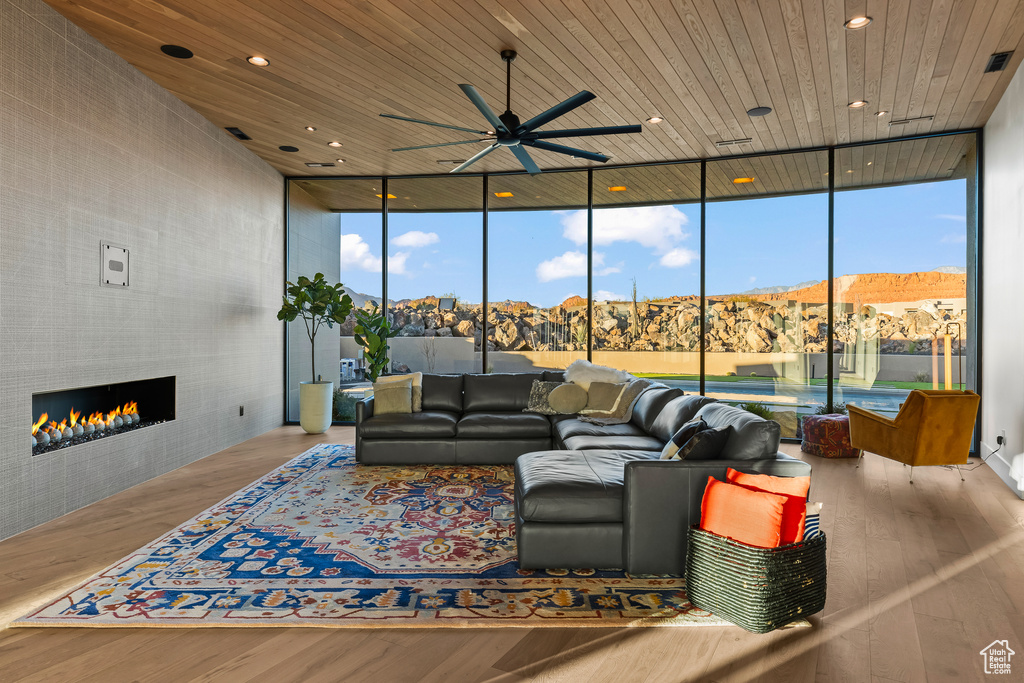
[(340, 161), (857, 104), (288, 148), (617, 188), (857, 22), (849, 170), (503, 194), (881, 113), (237, 132), (655, 119), (740, 181), (176, 51), (759, 111), (311, 128), (390, 196), (334, 143), (258, 61), (870, 162)]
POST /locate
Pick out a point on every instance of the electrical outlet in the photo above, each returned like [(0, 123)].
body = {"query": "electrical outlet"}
[(1001, 439), (241, 411)]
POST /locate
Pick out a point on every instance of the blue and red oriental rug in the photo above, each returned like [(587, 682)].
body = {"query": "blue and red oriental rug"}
[(323, 541)]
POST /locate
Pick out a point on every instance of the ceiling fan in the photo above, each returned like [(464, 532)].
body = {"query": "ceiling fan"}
[(509, 132)]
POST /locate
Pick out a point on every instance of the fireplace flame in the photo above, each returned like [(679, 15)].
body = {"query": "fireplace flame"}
[(98, 419), (36, 425)]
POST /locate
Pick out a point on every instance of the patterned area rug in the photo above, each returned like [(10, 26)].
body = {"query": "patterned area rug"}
[(323, 541)]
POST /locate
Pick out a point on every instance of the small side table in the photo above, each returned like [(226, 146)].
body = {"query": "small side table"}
[(828, 436)]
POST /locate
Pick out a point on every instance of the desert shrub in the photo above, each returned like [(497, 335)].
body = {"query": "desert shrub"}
[(922, 377), (837, 408), (753, 374), (344, 407), (730, 374), (759, 409)]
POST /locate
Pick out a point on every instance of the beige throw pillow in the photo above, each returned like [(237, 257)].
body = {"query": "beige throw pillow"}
[(603, 397), (568, 399), (413, 380), (392, 398)]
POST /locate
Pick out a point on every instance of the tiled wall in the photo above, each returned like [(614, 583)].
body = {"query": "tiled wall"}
[(91, 150)]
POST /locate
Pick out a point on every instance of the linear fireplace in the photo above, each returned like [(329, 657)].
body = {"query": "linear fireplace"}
[(61, 419)]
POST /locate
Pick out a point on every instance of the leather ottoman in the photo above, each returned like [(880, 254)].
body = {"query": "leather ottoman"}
[(828, 436)]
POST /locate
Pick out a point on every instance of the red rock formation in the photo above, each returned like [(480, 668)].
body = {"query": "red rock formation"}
[(880, 288)]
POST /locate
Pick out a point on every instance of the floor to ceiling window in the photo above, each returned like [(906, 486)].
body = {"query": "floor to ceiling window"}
[(527, 250), (435, 274), (766, 276), (646, 265), (903, 231), (537, 271)]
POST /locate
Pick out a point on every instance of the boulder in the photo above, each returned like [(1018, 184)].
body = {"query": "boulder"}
[(466, 328)]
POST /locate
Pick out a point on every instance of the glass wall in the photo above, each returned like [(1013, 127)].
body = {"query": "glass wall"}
[(766, 284), (527, 251), (902, 312), (435, 273), (537, 271), (646, 280)]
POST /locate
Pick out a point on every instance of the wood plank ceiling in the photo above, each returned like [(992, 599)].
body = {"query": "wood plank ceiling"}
[(700, 64)]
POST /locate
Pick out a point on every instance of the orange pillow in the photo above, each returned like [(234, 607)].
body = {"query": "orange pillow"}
[(742, 514), (793, 488)]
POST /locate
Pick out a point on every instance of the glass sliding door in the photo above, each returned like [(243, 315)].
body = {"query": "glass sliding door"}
[(537, 271), (904, 223), (435, 273), (766, 276), (646, 271)]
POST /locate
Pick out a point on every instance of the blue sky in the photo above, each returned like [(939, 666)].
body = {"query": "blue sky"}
[(540, 256)]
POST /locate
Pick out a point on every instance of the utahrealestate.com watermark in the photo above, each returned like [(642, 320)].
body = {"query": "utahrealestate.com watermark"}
[(997, 657)]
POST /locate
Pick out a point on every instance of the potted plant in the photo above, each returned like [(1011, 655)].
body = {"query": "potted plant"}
[(372, 332), (318, 304)]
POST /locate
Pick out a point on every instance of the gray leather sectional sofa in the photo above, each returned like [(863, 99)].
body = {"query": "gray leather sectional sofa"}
[(586, 495)]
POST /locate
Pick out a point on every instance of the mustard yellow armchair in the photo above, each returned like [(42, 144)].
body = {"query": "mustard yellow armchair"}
[(932, 428)]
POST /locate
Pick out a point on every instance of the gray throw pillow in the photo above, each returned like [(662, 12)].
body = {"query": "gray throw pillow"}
[(681, 437), (706, 444), (568, 399), (603, 397), (396, 398), (538, 402)]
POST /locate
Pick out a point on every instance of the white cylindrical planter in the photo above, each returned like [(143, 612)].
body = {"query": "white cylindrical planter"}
[(316, 403)]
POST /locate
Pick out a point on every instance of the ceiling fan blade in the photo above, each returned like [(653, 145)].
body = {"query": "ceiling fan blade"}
[(431, 123), (441, 144), (488, 113), (476, 157), (584, 132), (565, 107), (525, 159), (562, 149)]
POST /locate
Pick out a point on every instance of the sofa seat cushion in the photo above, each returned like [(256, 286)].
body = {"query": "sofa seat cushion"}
[(572, 486), (503, 425), (606, 442), (576, 427), (429, 424)]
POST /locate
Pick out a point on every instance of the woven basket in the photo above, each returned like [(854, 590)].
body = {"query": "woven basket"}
[(760, 589)]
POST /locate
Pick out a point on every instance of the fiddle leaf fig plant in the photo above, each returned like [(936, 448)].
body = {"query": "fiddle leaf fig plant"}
[(372, 332), (318, 304)]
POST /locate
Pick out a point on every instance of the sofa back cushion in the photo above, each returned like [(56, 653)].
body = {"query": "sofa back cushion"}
[(554, 376), (676, 413), (442, 392), (752, 437), (649, 406), (498, 391)]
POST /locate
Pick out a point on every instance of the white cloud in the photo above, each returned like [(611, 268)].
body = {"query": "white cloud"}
[(356, 254), (396, 263), (569, 264), (753, 279), (605, 295), (572, 264), (650, 226), (954, 239), (415, 239), (952, 217), (678, 257)]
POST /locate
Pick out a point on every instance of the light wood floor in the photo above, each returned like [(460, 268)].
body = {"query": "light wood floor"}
[(921, 578)]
